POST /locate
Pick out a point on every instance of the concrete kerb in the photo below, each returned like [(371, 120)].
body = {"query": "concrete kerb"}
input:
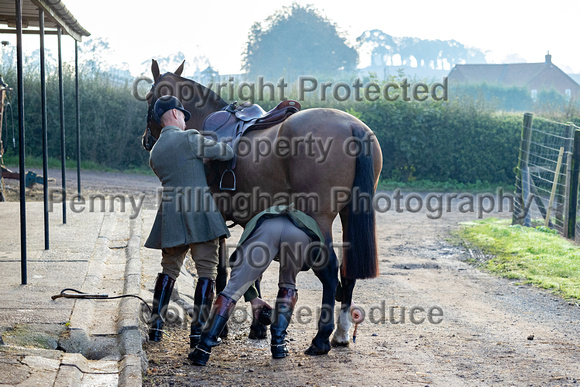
[(129, 337), (79, 340), (134, 360)]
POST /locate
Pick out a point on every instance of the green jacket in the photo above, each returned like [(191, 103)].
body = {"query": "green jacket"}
[(187, 213), (300, 220)]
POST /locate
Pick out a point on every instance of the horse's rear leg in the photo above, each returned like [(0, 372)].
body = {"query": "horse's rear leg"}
[(328, 275), (344, 294), (341, 336)]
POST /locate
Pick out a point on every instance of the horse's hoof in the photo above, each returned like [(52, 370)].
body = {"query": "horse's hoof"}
[(336, 343), (313, 350)]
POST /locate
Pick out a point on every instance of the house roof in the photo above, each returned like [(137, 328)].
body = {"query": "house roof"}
[(55, 14), (516, 74)]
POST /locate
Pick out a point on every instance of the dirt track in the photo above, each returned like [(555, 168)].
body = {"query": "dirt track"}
[(494, 331)]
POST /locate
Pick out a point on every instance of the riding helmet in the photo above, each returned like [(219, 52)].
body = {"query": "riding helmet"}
[(166, 103)]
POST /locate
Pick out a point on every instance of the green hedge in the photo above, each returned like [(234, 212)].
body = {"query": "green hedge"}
[(443, 142), (420, 140), (111, 119)]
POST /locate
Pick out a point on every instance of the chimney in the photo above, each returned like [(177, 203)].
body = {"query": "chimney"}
[(548, 58)]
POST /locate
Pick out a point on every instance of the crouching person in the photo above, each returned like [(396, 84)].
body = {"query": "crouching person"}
[(280, 231)]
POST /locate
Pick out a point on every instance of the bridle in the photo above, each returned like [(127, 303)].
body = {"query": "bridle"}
[(148, 140)]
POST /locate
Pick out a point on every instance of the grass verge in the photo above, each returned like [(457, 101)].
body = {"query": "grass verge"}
[(537, 256), (12, 162)]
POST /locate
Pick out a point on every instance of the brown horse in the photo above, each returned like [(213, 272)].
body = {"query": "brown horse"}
[(325, 161)]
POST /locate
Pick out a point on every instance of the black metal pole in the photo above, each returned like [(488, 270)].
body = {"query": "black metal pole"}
[(21, 141), (78, 117), (44, 127), (62, 142)]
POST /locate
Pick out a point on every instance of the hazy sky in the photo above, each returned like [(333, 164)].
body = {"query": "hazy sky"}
[(140, 30)]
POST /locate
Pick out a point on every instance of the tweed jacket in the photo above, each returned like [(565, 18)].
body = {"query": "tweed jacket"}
[(187, 212)]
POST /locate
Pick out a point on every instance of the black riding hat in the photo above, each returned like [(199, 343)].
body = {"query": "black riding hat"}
[(166, 103)]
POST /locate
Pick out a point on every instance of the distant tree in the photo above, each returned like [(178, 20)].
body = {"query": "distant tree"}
[(297, 40), (381, 46), (95, 54), (427, 53)]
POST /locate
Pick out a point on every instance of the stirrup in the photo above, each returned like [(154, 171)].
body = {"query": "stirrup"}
[(231, 171)]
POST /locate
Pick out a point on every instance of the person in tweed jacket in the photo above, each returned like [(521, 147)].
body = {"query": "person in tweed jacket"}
[(188, 218)]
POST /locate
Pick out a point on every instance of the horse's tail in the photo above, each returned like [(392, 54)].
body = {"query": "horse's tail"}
[(360, 258)]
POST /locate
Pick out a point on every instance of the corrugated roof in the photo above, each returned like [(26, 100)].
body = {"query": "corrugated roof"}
[(55, 14)]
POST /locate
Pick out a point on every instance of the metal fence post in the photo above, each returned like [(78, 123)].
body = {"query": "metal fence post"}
[(523, 174), (44, 128), (574, 186), (62, 136), (562, 198), (21, 139), (78, 118)]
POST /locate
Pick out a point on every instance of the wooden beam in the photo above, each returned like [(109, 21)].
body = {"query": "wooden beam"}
[(27, 32)]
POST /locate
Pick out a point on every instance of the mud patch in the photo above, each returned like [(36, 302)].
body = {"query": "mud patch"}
[(44, 336)]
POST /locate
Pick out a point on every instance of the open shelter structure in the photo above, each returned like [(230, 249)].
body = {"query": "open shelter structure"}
[(41, 17)]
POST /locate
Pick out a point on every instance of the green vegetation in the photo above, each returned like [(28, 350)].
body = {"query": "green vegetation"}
[(514, 98), (111, 119), (12, 161), (36, 162), (438, 186), (455, 145), (537, 256)]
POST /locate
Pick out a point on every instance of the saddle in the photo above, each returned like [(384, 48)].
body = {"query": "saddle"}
[(232, 122)]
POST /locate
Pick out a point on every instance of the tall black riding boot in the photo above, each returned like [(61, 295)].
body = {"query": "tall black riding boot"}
[(220, 313), (163, 289), (285, 303), (204, 293)]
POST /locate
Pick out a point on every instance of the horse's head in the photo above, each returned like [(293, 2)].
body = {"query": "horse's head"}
[(197, 99)]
